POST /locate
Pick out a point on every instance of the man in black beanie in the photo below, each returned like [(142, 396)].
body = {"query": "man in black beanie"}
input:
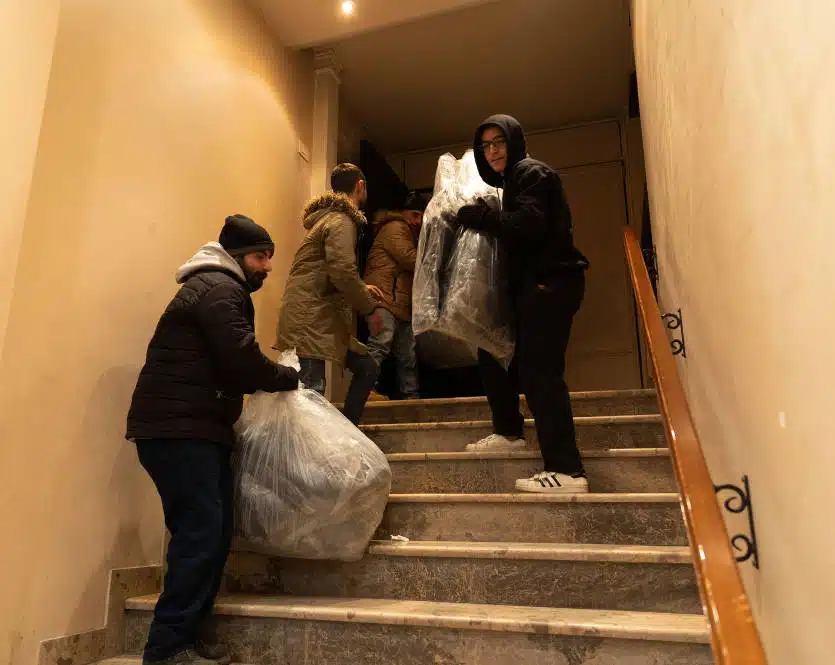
[(202, 359)]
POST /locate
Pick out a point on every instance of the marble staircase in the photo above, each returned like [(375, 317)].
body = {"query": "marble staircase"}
[(488, 576)]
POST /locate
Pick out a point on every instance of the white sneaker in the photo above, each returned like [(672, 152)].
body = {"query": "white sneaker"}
[(496, 443), (549, 482)]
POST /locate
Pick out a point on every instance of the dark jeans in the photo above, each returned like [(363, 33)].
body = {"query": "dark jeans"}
[(545, 313), (194, 481), (364, 370)]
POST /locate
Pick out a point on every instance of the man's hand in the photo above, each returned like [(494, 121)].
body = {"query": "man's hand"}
[(481, 217), (470, 216), (376, 291), (375, 322), (478, 216), (288, 378)]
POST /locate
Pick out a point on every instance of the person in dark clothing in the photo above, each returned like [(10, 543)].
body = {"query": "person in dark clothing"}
[(201, 361), (547, 280)]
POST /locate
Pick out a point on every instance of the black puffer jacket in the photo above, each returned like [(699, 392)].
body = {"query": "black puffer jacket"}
[(203, 357), (535, 222)]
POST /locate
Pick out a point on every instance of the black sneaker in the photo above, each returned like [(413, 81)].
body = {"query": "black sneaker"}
[(215, 651)]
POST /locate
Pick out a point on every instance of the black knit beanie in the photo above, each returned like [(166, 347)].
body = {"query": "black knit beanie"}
[(241, 235)]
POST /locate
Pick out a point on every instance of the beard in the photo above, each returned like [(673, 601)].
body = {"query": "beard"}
[(255, 280)]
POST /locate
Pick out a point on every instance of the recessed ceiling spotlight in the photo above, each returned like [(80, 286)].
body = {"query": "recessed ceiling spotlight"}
[(348, 7)]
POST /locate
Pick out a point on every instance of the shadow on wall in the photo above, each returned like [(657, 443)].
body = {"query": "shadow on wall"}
[(119, 524), (154, 129)]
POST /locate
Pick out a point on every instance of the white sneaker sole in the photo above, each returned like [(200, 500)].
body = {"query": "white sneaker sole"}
[(566, 489), (496, 448)]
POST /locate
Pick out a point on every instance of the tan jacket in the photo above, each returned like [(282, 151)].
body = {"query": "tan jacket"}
[(391, 263), (324, 287)]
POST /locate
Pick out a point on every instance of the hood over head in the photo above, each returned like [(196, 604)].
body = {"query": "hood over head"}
[(210, 256), (331, 202), (517, 147)]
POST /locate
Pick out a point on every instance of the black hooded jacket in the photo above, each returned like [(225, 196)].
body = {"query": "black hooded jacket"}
[(203, 357), (535, 223)]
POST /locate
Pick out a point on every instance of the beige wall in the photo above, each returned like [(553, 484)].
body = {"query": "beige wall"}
[(162, 117), (737, 106), (25, 27), (600, 164)]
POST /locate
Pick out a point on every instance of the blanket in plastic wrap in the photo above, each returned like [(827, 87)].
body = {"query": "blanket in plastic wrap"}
[(460, 288), (309, 484)]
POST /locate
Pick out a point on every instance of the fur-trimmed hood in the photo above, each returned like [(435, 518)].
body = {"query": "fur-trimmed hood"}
[(331, 202)]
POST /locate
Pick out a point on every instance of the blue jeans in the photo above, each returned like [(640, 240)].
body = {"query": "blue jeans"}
[(365, 371), (396, 338)]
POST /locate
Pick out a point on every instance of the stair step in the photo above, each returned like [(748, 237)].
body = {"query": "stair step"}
[(616, 470), (127, 660), (535, 551), (595, 403), (325, 631), (625, 518), (657, 579), (593, 432)]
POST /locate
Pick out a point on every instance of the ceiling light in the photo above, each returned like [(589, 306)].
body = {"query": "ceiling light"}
[(348, 7)]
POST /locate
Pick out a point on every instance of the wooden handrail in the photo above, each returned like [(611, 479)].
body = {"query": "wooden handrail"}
[(733, 634)]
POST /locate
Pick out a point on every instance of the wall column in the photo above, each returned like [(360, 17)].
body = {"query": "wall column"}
[(323, 153), (325, 121)]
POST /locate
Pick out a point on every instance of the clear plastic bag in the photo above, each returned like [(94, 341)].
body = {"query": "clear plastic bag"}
[(435, 245), (460, 288), (309, 484), (476, 308)]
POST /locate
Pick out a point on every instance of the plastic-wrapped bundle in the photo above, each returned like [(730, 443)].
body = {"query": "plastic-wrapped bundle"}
[(460, 290), (310, 485), (435, 245), (476, 308)]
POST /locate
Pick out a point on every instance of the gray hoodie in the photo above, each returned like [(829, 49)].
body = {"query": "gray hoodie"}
[(210, 256)]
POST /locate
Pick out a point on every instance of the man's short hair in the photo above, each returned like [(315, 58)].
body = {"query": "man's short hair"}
[(345, 177)]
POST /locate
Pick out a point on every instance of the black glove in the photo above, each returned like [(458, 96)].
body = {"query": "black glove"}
[(286, 379), (470, 216), (479, 216)]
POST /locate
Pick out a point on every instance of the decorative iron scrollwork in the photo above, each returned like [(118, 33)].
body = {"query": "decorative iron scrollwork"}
[(675, 322), (740, 502)]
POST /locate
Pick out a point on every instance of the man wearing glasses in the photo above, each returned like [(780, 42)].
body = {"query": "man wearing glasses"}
[(547, 280)]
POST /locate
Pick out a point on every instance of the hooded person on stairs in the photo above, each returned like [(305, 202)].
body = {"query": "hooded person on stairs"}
[(547, 280), (324, 290), (201, 360), (391, 267)]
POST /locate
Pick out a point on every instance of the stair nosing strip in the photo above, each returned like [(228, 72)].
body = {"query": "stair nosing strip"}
[(579, 421), (531, 453), (453, 401), (614, 497), (464, 616), (591, 553)]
